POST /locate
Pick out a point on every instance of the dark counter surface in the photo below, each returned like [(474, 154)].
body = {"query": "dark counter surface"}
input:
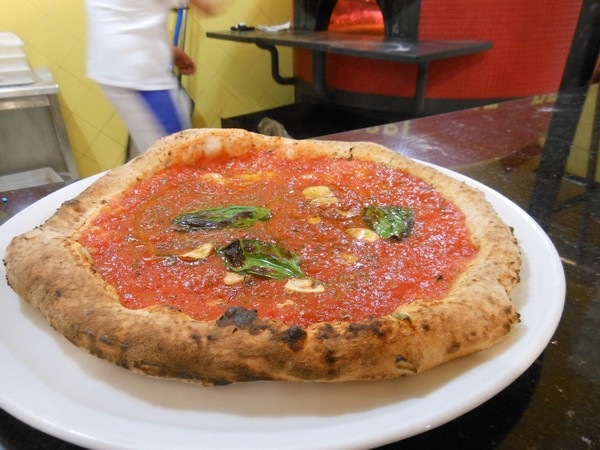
[(517, 148), (360, 45), (320, 43)]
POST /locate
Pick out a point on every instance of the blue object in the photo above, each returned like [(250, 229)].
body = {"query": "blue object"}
[(178, 27), (164, 109)]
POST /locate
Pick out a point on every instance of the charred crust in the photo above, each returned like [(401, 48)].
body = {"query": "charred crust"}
[(330, 357), (151, 368), (106, 340), (123, 363), (122, 360), (185, 376), (326, 332), (73, 203), (294, 337), (172, 308), (453, 348), (96, 352), (241, 318), (373, 326), (402, 363), (237, 316)]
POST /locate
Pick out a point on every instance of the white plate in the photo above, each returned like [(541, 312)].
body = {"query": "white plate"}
[(50, 384)]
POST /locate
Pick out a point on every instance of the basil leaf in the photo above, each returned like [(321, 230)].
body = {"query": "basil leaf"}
[(248, 256), (393, 222), (226, 217)]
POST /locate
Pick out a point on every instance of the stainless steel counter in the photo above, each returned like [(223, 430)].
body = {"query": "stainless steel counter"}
[(34, 136)]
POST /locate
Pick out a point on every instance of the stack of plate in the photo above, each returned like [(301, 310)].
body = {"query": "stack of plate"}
[(14, 67)]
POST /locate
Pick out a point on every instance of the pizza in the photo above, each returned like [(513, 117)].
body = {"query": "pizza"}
[(222, 256)]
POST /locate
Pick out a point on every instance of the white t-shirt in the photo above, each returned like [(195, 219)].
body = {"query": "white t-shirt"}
[(128, 45)]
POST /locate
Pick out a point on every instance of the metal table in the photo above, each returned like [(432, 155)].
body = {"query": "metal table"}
[(32, 131), (321, 43)]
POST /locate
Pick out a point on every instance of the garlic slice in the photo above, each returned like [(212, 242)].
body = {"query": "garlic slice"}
[(363, 234), (304, 285), (216, 302), (198, 253), (348, 258), (252, 177), (286, 303), (347, 214), (320, 195), (231, 278)]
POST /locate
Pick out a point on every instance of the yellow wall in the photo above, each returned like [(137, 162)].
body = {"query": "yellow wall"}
[(232, 78)]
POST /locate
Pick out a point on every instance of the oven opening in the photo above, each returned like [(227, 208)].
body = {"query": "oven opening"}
[(360, 16), (393, 18)]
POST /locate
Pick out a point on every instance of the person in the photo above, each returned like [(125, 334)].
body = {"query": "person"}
[(131, 57)]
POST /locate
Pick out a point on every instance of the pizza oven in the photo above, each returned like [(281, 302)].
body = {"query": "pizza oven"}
[(530, 42), (391, 17)]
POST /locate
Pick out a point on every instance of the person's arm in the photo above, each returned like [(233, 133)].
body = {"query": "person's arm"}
[(183, 62)]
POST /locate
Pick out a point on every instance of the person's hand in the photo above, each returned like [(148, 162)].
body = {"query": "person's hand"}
[(183, 62), (207, 6)]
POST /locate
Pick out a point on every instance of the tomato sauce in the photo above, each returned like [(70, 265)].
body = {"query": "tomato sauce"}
[(135, 246)]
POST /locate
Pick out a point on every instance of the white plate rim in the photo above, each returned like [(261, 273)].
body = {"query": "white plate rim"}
[(368, 424)]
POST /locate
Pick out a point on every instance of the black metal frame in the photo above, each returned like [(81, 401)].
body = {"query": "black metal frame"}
[(580, 66)]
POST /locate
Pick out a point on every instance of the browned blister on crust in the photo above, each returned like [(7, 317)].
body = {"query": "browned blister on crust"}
[(51, 270)]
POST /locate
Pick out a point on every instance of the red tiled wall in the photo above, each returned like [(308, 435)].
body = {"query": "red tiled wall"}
[(531, 41)]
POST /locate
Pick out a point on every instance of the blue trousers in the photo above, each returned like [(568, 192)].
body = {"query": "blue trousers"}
[(150, 115)]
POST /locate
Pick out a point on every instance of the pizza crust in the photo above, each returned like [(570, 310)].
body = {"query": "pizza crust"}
[(50, 269)]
